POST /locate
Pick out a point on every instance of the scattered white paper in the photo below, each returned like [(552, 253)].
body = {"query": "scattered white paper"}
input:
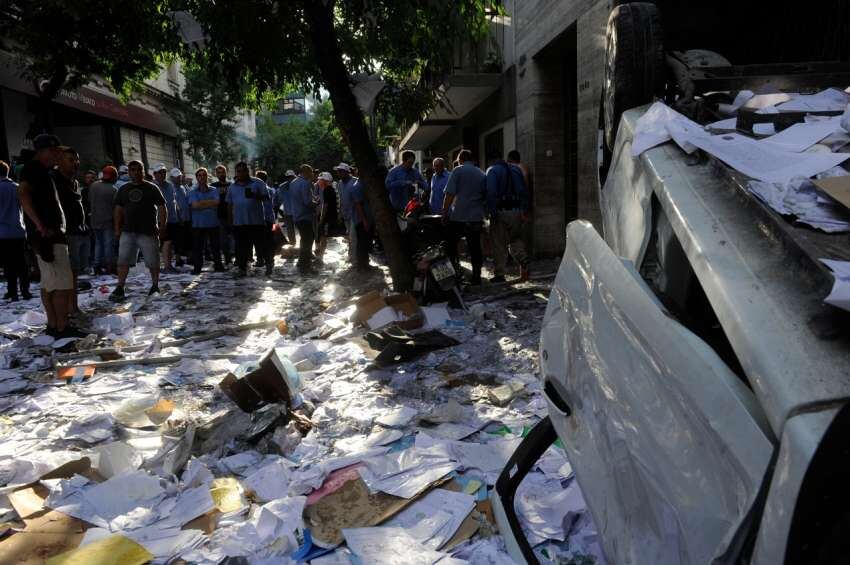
[(270, 481), (434, 519), (799, 137), (396, 417), (390, 546), (829, 100), (840, 294)]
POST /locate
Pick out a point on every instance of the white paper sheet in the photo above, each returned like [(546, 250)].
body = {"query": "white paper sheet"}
[(396, 417), (545, 509), (651, 128), (270, 481), (830, 99), (405, 473), (800, 137), (435, 518), (388, 546), (840, 294)]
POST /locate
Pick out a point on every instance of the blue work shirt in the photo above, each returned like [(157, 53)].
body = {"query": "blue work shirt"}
[(398, 184), (303, 206), (247, 211), (438, 187), (170, 195), (204, 217), (283, 199), (268, 206), (11, 215), (345, 188), (184, 212), (468, 185), (358, 195), (498, 197)]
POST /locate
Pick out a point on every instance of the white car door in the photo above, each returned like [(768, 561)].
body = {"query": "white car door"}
[(667, 444)]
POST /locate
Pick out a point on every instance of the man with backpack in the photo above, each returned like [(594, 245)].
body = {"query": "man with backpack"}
[(507, 204)]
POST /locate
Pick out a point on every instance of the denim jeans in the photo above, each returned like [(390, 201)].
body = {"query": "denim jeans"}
[(104, 242)]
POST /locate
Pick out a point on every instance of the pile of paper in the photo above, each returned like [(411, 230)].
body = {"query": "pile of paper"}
[(152, 462)]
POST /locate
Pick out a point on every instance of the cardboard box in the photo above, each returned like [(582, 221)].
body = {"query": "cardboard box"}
[(399, 309), (273, 379)]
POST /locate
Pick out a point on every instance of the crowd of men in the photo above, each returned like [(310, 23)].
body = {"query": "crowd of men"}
[(119, 216), (116, 218), (465, 196)]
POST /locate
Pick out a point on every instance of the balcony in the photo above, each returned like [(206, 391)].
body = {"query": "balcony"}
[(476, 74)]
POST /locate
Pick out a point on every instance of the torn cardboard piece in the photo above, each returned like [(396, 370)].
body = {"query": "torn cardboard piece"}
[(838, 188), (376, 311), (273, 380), (75, 374), (106, 551), (353, 506)]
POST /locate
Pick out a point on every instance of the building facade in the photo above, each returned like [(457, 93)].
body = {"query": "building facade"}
[(531, 87), (102, 128)]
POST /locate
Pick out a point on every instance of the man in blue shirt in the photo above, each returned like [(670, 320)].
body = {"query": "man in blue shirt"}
[(269, 218), (304, 204), (245, 197), (345, 188), (362, 221), (507, 205), (182, 240), (169, 192), (402, 181), (13, 238), (438, 185), (225, 234), (204, 202), (283, 202), (463, 208)]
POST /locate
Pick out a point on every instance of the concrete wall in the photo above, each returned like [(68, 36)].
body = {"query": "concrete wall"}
[(541, 51)]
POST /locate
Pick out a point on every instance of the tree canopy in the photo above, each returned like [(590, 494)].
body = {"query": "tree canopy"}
[(316, 141), (63, 44)]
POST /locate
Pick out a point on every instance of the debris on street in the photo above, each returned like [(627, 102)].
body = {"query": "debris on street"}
[(323, 422)]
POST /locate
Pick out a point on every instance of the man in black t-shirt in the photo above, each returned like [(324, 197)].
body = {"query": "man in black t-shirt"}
[(46, 232), (139, 217)]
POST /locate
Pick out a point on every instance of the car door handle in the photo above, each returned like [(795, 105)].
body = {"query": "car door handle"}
[(555, 399)]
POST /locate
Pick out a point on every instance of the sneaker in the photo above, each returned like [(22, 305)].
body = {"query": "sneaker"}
[(26, 296), (51, 331), (117, 294), (11, 297), (497, 279), (154, 290), (70, 331)]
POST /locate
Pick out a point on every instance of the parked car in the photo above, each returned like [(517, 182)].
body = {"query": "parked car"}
[(698, 384)]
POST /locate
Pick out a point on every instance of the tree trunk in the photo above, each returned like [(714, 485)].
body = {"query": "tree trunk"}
[(349, 117)]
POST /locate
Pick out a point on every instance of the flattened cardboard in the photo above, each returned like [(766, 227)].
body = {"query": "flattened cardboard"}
[(353, 506), (29, 501), (77, 373), (373, 301), (836, 187), (50, 534)]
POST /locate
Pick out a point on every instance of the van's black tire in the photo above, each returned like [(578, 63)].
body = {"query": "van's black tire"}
[(634, 62)]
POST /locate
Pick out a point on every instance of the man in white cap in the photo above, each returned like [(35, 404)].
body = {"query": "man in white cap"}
[(345, 187), (173, 225), (123, 176), (182, 240), (329, 224)]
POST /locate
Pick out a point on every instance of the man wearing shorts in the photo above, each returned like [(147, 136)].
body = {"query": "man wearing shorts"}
[(46, 228), (70, 197), (139, 217)]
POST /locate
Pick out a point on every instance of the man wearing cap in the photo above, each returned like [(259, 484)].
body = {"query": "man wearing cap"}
[(123, 176), (329, 217), (140, 215), (101, 199), (168, 235), (304, 205), (245, 197), (182, 240), (13, 238), (46, 231), (403, 180), (283, 202), (65, 179), (204, 202), (345, 186)]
